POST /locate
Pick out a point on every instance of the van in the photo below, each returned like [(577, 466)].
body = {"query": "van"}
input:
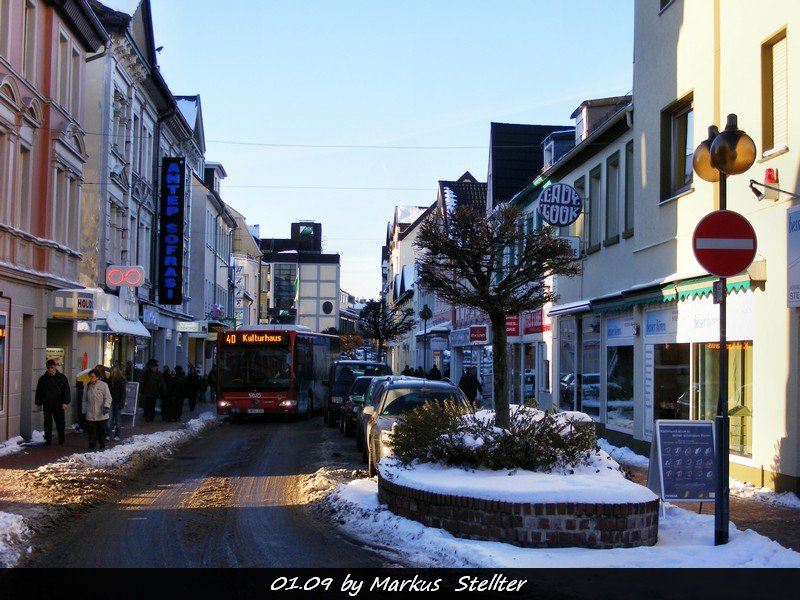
[(341, 375)]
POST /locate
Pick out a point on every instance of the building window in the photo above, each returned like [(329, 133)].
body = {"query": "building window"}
[(775, 91), (3, 366), (629, 187), (578, 226), (612, 197), (29, 40), (5, 25), (619, 386), (284, 285), (22, 206), (594, 209), (677, 148)]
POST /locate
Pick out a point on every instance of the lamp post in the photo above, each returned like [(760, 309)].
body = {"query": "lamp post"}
[(730, 152), (425, 314)]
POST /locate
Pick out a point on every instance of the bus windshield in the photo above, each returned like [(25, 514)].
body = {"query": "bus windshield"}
[(255, 367)]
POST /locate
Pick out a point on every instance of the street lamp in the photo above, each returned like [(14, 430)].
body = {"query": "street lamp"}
[(728, 153), (425, 314)]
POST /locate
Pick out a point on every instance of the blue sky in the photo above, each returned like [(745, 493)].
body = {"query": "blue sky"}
[(337, 111)]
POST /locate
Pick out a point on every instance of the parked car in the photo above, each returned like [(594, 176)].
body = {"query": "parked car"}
[(398, 397), (372, 393), (341, 375), (351, 406)]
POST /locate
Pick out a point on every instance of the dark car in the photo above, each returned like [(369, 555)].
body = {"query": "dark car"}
[(398, 397), (353, 401), (341, 375)]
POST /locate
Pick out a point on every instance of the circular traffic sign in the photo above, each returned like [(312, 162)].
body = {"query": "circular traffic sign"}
[(559, 204), (724, 243)]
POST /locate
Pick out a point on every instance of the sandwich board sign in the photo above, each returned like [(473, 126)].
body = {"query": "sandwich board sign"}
[(682, 461), (131, 400)]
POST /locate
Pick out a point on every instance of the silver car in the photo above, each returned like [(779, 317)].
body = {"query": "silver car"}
[(398, 396), (372, 393)]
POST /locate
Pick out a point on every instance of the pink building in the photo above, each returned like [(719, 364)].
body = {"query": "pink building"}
[(43, 51)]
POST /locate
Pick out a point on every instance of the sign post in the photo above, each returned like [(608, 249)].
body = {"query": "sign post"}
[(724, 244)]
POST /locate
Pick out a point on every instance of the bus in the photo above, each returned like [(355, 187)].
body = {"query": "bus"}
[(272, 369)]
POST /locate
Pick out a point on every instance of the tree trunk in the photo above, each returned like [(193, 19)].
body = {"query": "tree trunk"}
[(499, 365)]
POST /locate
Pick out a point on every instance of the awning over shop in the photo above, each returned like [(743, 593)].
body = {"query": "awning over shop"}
[(570, 308), (113, 322), (666, 292), (439, 328)]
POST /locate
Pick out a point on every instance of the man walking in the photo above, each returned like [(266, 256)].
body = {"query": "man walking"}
[(53, 395), (152, 387), (470, 384)]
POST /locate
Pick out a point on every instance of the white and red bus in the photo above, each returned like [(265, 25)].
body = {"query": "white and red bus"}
[(272, 369)]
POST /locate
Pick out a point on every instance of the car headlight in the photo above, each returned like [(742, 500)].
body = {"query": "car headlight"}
[(337, 399)]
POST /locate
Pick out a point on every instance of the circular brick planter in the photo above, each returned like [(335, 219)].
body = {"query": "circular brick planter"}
[(527, 524)]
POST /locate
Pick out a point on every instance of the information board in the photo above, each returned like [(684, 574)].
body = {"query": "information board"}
[(682, 461), (131, 398)]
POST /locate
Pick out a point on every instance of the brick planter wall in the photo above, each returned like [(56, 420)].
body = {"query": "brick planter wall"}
[(531, 525)]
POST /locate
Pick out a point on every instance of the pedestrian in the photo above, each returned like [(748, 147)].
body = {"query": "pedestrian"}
[(407, 371), (53, 395), (419, 372), (435, 374), (470, 384), (96, 406), (212, 382), (169, 404), (116, 384), (180, 392), (152, 388), (193, 384)]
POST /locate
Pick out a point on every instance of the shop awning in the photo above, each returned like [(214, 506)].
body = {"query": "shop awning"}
[(570, 308), (116, 323)]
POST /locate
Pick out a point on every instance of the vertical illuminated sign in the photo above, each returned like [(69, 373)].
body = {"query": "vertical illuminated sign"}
[(170, 235)]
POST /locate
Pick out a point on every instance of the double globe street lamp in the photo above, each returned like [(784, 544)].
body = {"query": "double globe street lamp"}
[(730, 152)]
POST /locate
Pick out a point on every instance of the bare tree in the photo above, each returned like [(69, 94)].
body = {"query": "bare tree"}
[(384, 323), (488, 262)]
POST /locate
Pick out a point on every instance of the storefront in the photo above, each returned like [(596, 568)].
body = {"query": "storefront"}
[(471, 347)]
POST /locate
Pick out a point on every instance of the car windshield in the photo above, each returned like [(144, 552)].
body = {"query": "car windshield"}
[(401, 400), (348, 373), (360, 386)]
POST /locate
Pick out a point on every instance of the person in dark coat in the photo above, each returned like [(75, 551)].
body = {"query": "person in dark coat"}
[(212, 382), (435, 374), (116, 384), (169, 402), (53, 395), (152, 388), (470, 384), (193, 385), (180, 392)]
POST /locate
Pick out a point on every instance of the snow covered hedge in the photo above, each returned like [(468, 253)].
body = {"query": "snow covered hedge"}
[(535, 441)]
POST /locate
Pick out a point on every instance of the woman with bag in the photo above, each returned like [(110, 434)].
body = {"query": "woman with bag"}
[(96, 406)]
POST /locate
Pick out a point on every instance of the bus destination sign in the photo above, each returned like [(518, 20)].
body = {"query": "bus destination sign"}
[(237, 337)]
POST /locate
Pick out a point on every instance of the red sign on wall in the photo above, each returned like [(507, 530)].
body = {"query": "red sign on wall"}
[(478, 333), (512, 325), (536, 321)]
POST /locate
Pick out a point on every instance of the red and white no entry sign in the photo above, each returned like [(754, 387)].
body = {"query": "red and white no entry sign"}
[(724, 243)]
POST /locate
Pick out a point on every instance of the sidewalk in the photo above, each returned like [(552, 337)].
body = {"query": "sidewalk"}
[(778, 523)]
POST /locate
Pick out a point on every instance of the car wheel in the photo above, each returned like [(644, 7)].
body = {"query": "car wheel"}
[(348, 428)]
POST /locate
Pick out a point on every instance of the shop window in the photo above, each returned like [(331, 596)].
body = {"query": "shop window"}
[(3, 337), (705, 390), (619, 386), (670, 381), (567, 340), (589, 388)]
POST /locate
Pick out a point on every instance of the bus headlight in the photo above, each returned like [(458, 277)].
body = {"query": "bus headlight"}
[(223, 403), (288, 404)]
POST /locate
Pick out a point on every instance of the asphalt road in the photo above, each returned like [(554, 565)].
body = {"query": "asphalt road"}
[(229, 499)]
